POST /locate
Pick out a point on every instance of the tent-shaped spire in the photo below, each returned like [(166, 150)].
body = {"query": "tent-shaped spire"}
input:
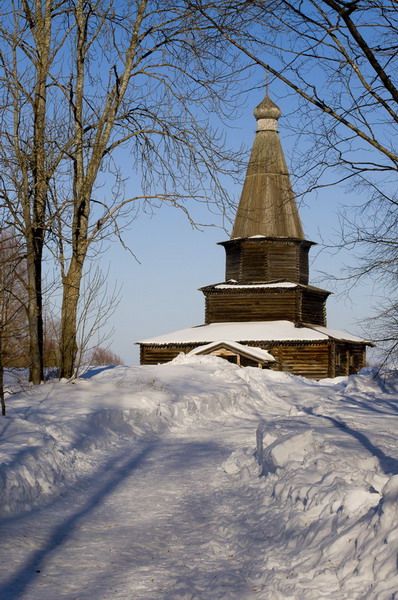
[(267, 206)]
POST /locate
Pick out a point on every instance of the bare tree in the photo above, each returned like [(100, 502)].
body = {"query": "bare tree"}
[(159, 66), (337, 60), (13, 303), (98, 303), (340, 58), (384, 331), (100, 78), (51, 353), (28, 141), (105, 356)]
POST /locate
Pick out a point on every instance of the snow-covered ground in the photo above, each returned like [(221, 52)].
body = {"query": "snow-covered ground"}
[(145, 483)]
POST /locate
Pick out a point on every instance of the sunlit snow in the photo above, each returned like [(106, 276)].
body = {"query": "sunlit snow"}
[(198, 480)]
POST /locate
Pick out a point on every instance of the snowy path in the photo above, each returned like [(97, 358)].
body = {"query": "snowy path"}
[(153, 523)]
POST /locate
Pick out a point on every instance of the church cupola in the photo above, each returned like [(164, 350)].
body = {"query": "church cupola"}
[(267, 206), (267, 255)]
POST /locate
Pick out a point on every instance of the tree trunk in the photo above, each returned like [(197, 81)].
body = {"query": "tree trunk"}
[(35, 313), (70, 301), (2, 401), (35, 209)]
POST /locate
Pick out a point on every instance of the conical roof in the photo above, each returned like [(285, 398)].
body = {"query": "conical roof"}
[(267, 206)]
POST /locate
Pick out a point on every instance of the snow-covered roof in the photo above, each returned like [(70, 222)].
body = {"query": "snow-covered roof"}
[(251, 237), (234, 286), (254, 331), (257, 353), (264, 237), (340, 335), (281, 285)]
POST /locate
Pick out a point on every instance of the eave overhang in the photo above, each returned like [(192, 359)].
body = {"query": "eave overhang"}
[(279, 287)]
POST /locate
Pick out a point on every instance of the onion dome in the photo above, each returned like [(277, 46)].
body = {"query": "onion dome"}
[(267, 109)]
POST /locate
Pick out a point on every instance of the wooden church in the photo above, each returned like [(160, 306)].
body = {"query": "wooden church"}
[(266, 302)]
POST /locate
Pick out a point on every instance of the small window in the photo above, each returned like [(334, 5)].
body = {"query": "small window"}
[(231, 359), (248, 362)]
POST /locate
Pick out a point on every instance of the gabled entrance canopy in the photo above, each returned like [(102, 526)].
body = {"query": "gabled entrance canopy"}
[(239, 354)]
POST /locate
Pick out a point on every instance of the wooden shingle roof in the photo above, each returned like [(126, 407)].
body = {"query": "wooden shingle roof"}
[(267, 206)]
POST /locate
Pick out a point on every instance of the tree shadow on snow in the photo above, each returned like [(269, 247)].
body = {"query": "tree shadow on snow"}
[(92, 371), (377, 405), (112, 475), (388, 464), (201, 513), (196, 548)]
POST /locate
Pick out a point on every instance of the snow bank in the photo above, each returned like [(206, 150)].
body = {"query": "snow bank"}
[(51, 431), (330, 482)]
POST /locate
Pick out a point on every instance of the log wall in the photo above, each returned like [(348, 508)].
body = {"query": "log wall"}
[(299, 305), (283, 262), (313, 308), (265, 260), (232, 263), (349, 358), (304, 249), (311, 361), (254, 263), (153, 355), (232, 307)]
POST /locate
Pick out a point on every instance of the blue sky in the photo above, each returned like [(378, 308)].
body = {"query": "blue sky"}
[(159, 293)]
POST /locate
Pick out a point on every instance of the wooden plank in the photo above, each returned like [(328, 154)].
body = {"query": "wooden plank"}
[(311, 361), (152, 355), (350, 358), (299, 306)]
